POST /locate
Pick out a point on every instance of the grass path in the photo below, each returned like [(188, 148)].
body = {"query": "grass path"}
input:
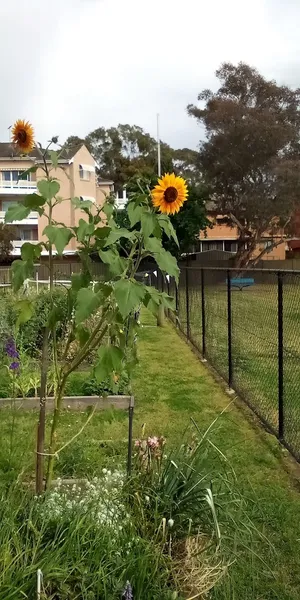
[(170, 386)]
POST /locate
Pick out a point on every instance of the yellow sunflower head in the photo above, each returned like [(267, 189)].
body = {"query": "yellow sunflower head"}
[(169, 194), (23, 136)]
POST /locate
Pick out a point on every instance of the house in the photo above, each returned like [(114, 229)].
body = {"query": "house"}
[(76, 173), (224, 237)]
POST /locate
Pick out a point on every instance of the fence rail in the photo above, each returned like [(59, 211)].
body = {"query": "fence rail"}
[(251, 336)]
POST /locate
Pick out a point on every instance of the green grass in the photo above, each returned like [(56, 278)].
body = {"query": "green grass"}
[(171, 386)]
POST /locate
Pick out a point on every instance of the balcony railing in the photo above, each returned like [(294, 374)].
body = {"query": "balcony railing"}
[(31, 219), (19, 243), (17, 187)]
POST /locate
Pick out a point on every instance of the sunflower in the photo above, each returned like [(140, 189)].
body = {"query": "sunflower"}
[(23, 136), (169, 194)]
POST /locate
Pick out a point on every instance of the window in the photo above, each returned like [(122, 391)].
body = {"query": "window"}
[(268, 244), (230, 246), (6, 204), (211, 246), (26, 234), (84, 173), (13, 176)]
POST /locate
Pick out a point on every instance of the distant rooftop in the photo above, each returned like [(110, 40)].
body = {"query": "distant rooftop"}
[(8, 150)]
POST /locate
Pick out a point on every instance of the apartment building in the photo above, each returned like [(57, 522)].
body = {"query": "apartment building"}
[(76, 174), (223, 237)]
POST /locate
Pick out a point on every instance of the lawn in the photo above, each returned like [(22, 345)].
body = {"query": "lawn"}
[(254, 343), (171, 386)]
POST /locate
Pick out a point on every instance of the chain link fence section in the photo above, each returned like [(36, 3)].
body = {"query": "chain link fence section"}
[(255, 343), (250, 333), (291, 361)]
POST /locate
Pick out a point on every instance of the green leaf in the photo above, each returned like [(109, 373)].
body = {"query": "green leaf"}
[(167, 263), (33, 201), (86, 303), (25, 173), (149, 223), (116, 235), (58, 236), (168, 228), (30, 251), (168, 301), (48, 189), (164, 259), (17, 212), (84, 205), (56, 315), (25, 309), (108, 209), (79, 280), (82, 334), (84, 229), (110, 361), (153, 245), (111, 257), (134, 213), (54, 158), (21, 270), (129, 295), (102, 232)]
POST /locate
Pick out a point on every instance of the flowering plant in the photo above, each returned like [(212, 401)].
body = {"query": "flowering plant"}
[(115, 300)]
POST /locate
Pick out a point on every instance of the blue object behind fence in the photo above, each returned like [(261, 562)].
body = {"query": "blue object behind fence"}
[(241, 282)]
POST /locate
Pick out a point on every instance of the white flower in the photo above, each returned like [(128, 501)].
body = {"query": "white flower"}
[(147, 499), (170, 523)]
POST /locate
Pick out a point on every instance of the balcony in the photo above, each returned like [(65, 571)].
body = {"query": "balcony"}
[(31, 219), (17, 187)]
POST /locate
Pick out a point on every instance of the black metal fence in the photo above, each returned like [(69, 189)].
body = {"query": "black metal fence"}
[(250, 335)]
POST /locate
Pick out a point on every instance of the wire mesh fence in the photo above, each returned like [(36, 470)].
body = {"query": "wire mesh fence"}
[(248, 328)]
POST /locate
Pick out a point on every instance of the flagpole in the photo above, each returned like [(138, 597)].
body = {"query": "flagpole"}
[(158, 149)]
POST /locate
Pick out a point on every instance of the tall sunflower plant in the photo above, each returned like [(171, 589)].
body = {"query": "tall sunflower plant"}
[(112, 302)]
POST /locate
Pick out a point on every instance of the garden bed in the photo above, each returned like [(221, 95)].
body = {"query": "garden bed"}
[(79, 403)]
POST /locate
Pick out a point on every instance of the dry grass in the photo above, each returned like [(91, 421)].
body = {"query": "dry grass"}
[(197, 567)]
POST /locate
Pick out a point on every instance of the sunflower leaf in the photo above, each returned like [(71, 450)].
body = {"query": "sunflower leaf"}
[(33, 201), (134, 213), (116, 235), (54, 158), (166, 225), (30, 251), (110, 361), (17, 212), (58, 236), (86, 303), (129, 294), (21, 270), (48, 189), (148, 223)]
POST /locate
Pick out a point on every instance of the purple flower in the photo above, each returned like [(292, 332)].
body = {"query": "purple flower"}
[(14, 366), (127, 594), (10, 348)]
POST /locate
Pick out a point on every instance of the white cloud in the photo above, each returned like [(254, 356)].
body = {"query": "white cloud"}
[(73, 65)]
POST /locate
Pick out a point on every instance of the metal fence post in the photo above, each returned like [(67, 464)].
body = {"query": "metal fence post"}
[(203, 313), (130, 434), (280, 357), (187, 298), (229, 328)]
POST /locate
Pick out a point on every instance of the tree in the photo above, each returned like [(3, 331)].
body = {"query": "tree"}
[(127, 152), (7, 235), (189, 221), (250, 158)]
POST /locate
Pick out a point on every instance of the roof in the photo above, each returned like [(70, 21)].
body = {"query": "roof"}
[(8, 150)]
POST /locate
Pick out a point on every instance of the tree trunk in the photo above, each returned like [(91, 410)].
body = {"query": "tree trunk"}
[(161, 316)]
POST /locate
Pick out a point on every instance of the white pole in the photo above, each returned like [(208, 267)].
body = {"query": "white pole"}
[(158, 149), (37, 281), (39, 583)]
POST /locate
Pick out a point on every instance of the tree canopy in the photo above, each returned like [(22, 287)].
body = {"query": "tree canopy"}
[(127, 154), (250, 158), (7, 235)]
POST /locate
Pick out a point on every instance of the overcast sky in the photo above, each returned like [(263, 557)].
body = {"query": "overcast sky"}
[(70, 66)]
